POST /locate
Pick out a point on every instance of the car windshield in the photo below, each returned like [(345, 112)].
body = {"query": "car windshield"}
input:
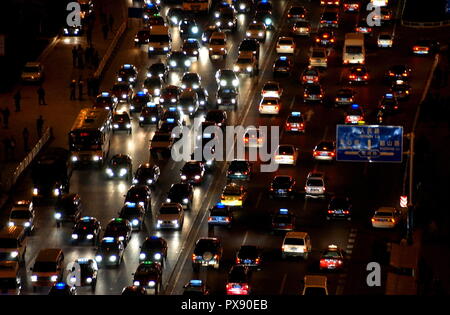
[(247, 45), (270, 101), (383, 214), (44, 266), (191, 167), (318, 54), (217, 41), (219, 212), (119, 161), (285, 218), (169, 210), (323, 146), (296, 11), (237, 275), (151, 244), (294, 241), (145, 172), (232, 191), (286, 150), (244, 60), (205, 245), (161, 138), (255, 27), (353, 49), (20, 214), (187, 100), (385, 36), (190, 45), (120, 87), (314, 183), (214, 115), (8, 243), (238, 166), (31, 69), (130, 211), (179, 189), (159, 38), (301, 24), (282, 180), (314, 291), (121, 117), (248, 251), (65, 203), (285, 42), (116, 227), (190, 77), (331, 254), (109, 246)]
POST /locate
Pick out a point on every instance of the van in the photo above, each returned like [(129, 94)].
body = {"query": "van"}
[(13, 244), (159, 41), (296, 244), (48, 268), (354, 50), (10, 283)]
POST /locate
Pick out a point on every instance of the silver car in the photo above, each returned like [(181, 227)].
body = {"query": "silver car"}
[(315, 185), (301, 28)]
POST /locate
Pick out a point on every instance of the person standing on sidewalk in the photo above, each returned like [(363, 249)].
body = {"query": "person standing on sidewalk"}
[(41, 95), (72, 86), (26, 137), (74, 56), (5, 113), (105, 31), (39, 126), (17, 99)]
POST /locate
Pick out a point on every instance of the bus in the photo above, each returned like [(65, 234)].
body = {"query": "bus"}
[(197, 5), (90, 136), (354, 51)]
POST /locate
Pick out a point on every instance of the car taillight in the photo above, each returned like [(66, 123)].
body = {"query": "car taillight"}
[(277, 107), (229, 286), (216, 256), (193, 256), (365, 77), (245, 287), (260, 140), (332, 40), (330, 211), (210, 219), (227, 219), (317, 40), (373, 220), (352, 76), (238, 260), (246, 139), (346, 212), (315, 153), (325, 36)]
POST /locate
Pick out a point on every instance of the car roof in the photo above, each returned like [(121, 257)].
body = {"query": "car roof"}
[(296, 235)]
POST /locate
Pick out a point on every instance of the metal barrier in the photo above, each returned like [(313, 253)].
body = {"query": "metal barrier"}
[(426, 24)]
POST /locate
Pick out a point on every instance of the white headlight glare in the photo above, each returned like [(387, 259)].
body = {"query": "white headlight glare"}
[(116, 126), (36, 191), (88, 280), (98, 258), (54, 278), (142, 256), (34, 278), (183, 177), (157, 256), (10, 223), (112, 258), (136, 283), (197, 177), (185, 200), (151, 283), (141, 203), (89, 236), (57, 215), (135, 222), (74, 159), (195, 30), (187, 63), (121, 238), (14, 254), (74, 236), (235, 82), (27, 224)]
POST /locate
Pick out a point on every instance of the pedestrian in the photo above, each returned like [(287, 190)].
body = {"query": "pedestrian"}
[(5, 113), (80, 57), (111, 22), (105, 31), (26, 137), (17, 99), (73, 86), (80, 88), (41, 95), (12, 147), (74, 56), (39, 126)]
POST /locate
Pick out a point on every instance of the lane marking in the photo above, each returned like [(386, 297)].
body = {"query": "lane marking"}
[(245, 238), (283, 282)]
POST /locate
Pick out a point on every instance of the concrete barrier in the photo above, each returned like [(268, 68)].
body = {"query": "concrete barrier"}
[(425, 24)]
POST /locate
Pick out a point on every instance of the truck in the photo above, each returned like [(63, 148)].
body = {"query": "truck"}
[(354, 51)]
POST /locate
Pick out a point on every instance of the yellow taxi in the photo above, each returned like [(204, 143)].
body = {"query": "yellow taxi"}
[(233, 195)]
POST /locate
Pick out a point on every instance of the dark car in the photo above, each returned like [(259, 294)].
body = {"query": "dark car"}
[(181, 193), (151, 114), (221, 5), (120, 166), (313, 93), (282, 66), (248, 255), (169, 95), (178, 60), (140, 100), (191, 80), (250, 44), (425, 47), (203, 97), (207, 252), (266, 17), (221, 215), (227, 78), (389, 103), (282, 186), (106, 100), (155, 20), (133, 214), (217, 116), (152, 86), (158, 69), (195, 288), (109, 252), (227, 19), (134, 290), (192, 172), (358, 74), (344, 97), (119, 229), (325, 37), (401, 91), (62, 289), (88, 273), (173, 116), (398, 72), (240, 170), (139, 194), (283, 220), (127, 73), (154, 248), (339, 207), (227, 97), (121, 121), (297, 13), (147, 174), (189, 28), (191, 47), (149, 276), (188, 102), (86, 228), (150, 9), (122, 91), (142, 37), (68, 208), (174, 16), (238, 280)]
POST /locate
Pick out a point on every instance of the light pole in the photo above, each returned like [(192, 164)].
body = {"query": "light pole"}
[(410, 212)]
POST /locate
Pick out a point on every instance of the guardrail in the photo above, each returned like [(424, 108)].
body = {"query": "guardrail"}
[(425, 24)]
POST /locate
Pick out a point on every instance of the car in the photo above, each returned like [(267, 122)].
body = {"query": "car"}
[(318, 58), (210, 29), (188, 102), (345, 96), (86, 229), (174, 16), (286, 154), (170, 95), (227, 19), (109, 252), (120, 229), (221, 215), (189, 28), (297, 13), (155, 20), (208, 160), (329, 18), (425, 47), (142, 37), (147, 174), (191, 48), (389, 103), (227, 78), (239, 170), (250, 45), (386, 15), (191, 80), (246, 63), (133, 290), (227, 97), (234, 195), (218, 45), (283, 220), (401, 90), (301, 28), (207, 252), (196, 287), (154, 248), (313, 93), (178, 60), (193, 172), (398, 72), (68, 208), (150, 9), (385, 40), (325, 37), (339, 207), (324, 151), (88, 272), (249, 255), (23, 214), (351, 6), (127, 73), (134, 214), (315, 285), (33, 72), (141, 98), (272, 89), (295, 123), (221, 5), (330, 3), (161, 142), (72, 31), (358, 74), (181, 193), (310, 76), (386, 217), (257, 31), (158, 69), (170, 216), (238, 280), (217, 116), (269, 105), (265, 17), (253, 137), (150, 114), (121, 121), (282, 186), (62, 289), (355, 115), (106, 100), (202, 96), (285, 45), (148, 275), (315, 185), (168, 125), (296, 244), (263, 6), (363, 28), (123, 91), (140, 194)]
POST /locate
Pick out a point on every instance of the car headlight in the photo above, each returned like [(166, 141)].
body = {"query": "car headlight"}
[(185, 200), (160, 222), (157, 256), (142, 256), (187, 63), (27, 224), (141, 118), (173, 63), (35, 191), (223, 83), (222, 48), (121, 238), (249, 69), (74, 236), (156, 91), (183, 177), (191, 108), (149, 181), (124, 95), (151, 48), (233, 101), (135, 222), (109, 172), (128, 126), (218, 23), (268, 21), (151, 283), (10, 223), (260, 34), (54, 278), (141, 203), (153, 119), (116, 126), (230, 23), (194, 30), (236, 68), (136, 39), (235, 82), (197, 177), (14, 254), (98, 258), (136, 283), (112, 258), (88, 280), (119, 79), (175, 222), (217, 14), (166, 48), (123, 171), (57, 215), (248, 34), (66, 31), (173, 100), (131, 79), (89, 236), (34, 278), (74, 158), (209, 162), (96, 158), (73, 279), (174, 20)]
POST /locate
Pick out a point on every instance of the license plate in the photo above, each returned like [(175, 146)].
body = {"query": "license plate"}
[(324, 42), (324, 154), (280, 191), (294, 129), (247, 261)]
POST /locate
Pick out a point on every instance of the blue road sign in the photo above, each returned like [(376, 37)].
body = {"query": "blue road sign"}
[(369, 143)]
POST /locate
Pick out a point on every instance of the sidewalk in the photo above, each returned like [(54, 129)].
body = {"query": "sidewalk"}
[(60, 111)]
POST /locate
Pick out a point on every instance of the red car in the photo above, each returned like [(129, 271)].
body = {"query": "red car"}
[(238, 280), (295, 123), (332, 258)]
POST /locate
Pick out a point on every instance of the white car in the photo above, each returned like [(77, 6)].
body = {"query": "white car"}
[(33, 72), (272, 89), (253, 138), (218, 45), (315, 185), (270, 105), (385, 40), (286, 45), (318, 58), (296, 244), (386, 217), (170, 216), (22, 214), (301, 28), (256, 30), (286, 154)]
